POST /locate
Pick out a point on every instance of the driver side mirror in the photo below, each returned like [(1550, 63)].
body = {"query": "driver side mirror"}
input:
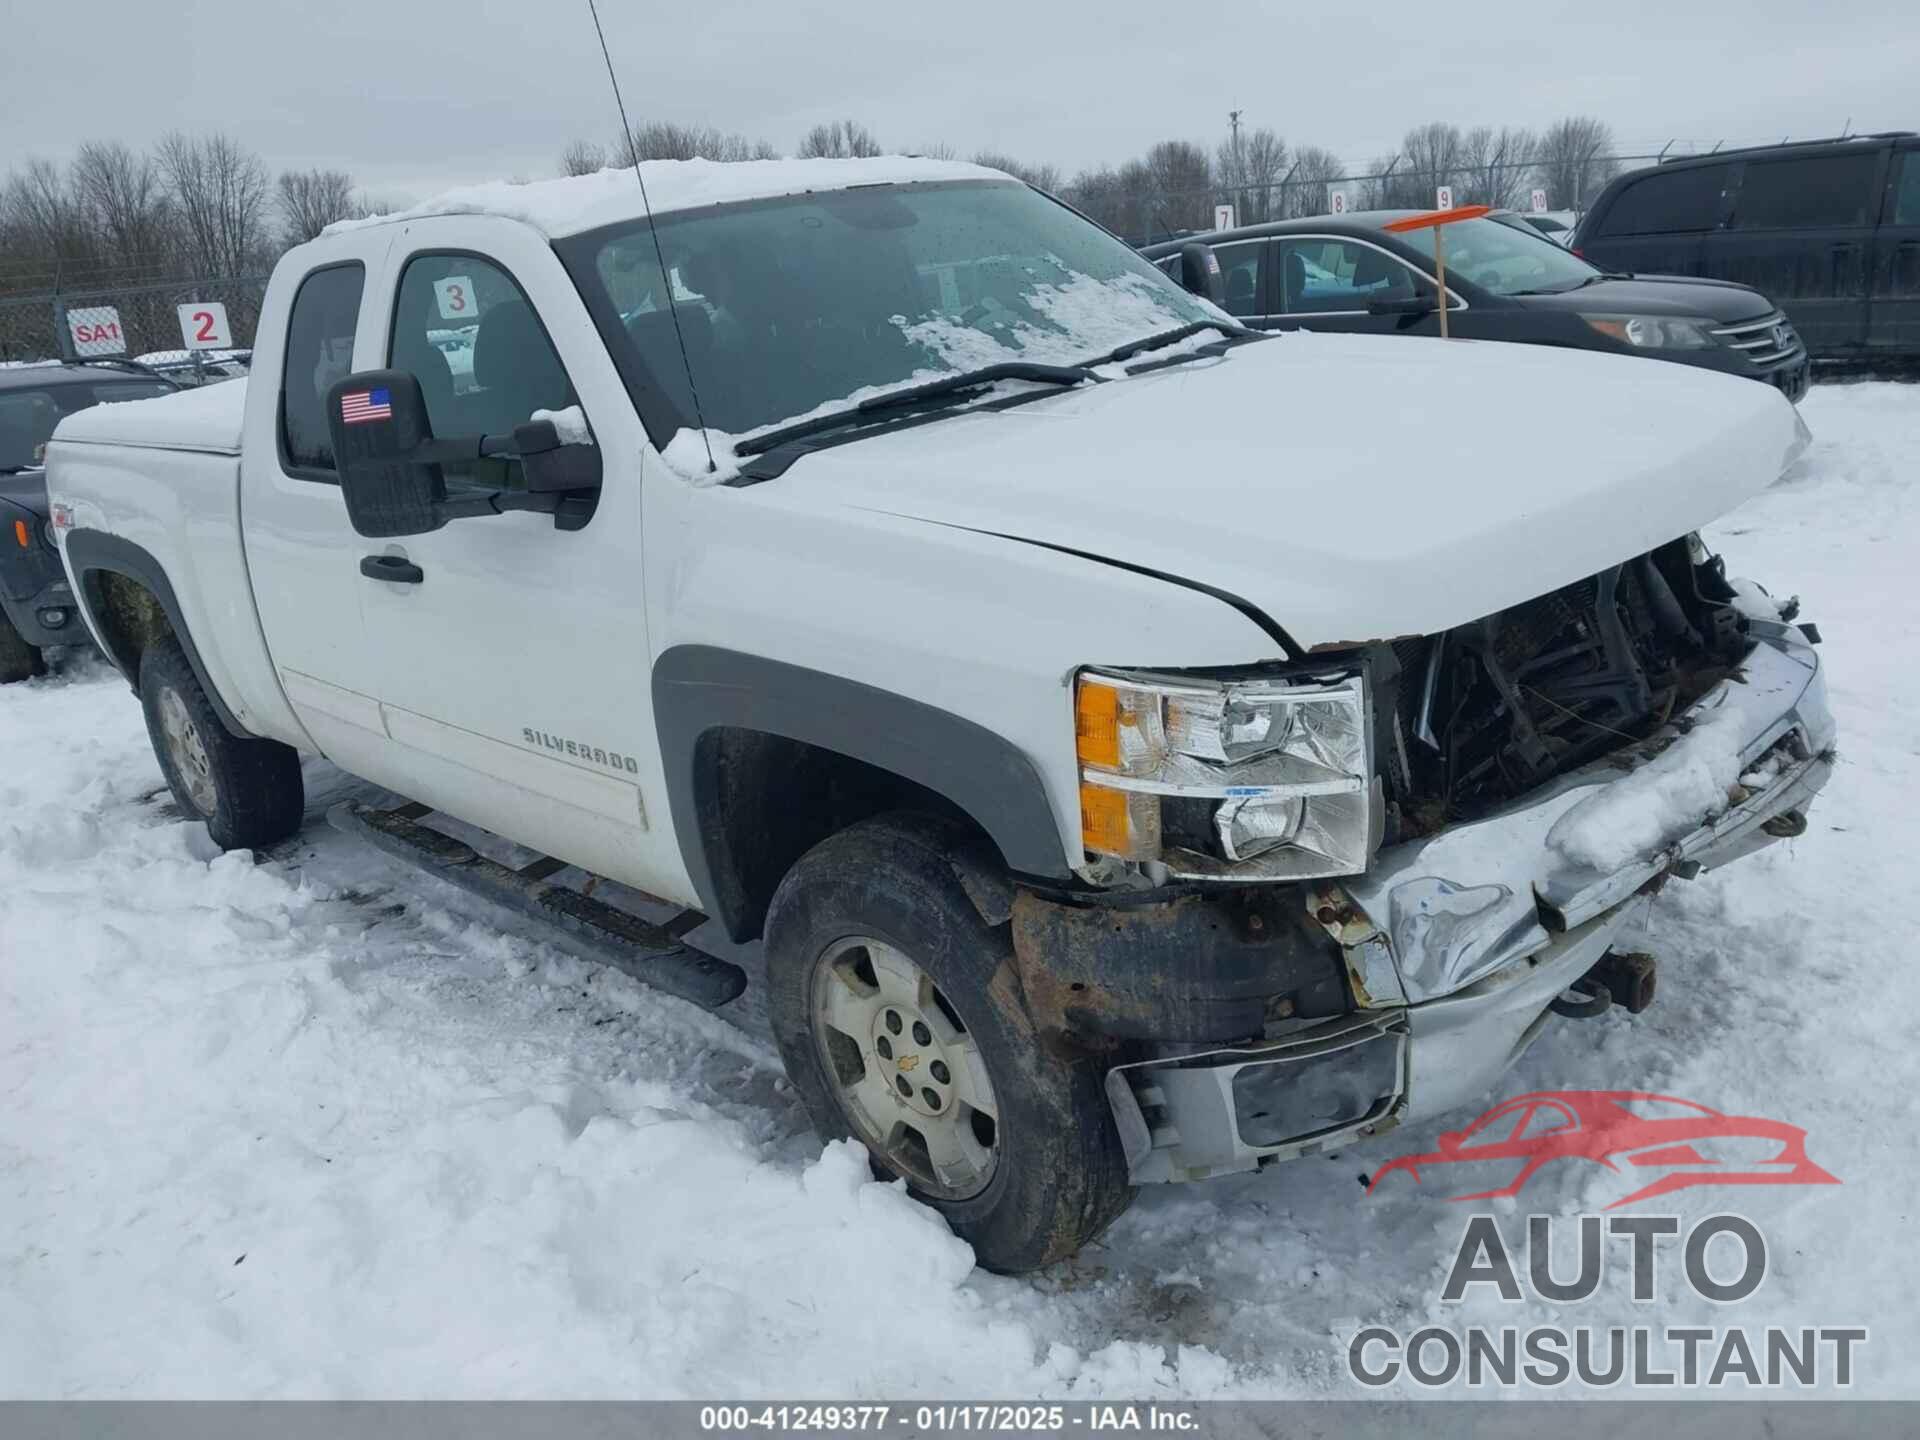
[(390, 464), (1200, 273)]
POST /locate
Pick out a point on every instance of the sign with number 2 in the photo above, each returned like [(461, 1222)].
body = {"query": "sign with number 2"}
[(203, 325), (455, 294)]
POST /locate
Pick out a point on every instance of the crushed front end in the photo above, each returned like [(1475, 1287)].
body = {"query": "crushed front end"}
[(1359, 903)]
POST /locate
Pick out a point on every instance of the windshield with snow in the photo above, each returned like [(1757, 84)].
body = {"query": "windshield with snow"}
[(1506, 258), (790, 307)]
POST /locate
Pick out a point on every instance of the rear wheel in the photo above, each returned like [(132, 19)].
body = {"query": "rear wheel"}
[(902, 1027), (18, 659), (248, 791)]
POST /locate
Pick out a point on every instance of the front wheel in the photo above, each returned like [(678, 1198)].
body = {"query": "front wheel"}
[(248, 791), (896, 1012)]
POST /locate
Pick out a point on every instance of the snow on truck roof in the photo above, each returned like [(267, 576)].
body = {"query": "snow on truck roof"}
[(585, 202)]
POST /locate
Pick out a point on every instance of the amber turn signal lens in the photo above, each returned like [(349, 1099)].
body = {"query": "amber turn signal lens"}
[(1103, 821), (20, 534), (1096, 725)]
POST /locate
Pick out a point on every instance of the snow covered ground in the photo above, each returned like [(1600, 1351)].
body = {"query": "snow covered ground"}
[(310, 1127)]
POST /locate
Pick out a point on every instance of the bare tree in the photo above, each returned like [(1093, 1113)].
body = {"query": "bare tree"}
[(665, 140), (44, 218), (838, 140), (1430, 156), (1247, 168), (1576, 160), (121, 195), (311, 200), (1042, 177), (220, 190), (939, 150), (1314, 169), (584, 157), (1498, 166), (1182, 183)]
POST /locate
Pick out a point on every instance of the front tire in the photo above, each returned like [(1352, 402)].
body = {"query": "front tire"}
[(249, 792), (901, 1025), (18, 660)]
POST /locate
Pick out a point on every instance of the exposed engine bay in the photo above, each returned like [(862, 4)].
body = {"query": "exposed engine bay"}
[(1487, 712)]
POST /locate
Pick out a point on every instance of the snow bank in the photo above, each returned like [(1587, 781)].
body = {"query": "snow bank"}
[(1642, 813), (584, 202), (302, 1132)]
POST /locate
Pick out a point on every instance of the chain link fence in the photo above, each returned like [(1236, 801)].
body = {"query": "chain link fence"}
[(145, 320)]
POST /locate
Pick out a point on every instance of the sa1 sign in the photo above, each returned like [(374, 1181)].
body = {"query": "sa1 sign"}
[(95, 330), (1443, 198), (203, 326)]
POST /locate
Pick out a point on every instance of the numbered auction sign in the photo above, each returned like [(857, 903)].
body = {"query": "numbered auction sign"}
[(1443, 198), (455, 294), (95, 330), (1223, 217), (203, 325), (1539, 202), (1336, 200)]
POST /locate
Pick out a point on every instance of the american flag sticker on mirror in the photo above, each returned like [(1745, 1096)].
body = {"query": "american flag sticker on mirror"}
[(357, 407)]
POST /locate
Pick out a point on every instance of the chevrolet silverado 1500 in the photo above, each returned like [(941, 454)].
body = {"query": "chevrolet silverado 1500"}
[(1148, 750)]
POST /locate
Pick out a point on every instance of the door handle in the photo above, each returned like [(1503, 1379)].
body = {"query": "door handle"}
[(395, 568)]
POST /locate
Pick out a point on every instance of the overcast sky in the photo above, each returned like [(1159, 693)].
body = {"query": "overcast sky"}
[(412, 95)]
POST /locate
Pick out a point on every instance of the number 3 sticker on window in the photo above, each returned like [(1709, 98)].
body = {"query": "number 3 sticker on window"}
[(455, 294)]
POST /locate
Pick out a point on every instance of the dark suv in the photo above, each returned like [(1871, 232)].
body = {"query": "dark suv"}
[(1830, 229), (1505, 281), (36, 606)]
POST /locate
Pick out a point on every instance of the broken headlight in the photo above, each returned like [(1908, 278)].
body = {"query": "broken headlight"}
[(1255, 779)]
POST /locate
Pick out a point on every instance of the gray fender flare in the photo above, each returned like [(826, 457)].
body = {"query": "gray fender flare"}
[(701, 688), (93, 553)]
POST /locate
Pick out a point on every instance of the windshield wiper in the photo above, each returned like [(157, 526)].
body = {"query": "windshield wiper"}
[(1171, 337), (946, 388)]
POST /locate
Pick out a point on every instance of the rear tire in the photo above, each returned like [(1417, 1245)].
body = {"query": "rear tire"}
[(902, 1027), (18, 659), (249, 792)]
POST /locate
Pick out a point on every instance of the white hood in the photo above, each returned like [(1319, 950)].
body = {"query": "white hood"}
[(1353, 488)]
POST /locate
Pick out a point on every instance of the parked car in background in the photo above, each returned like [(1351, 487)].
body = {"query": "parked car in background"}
[(1830, 229), (1557, 225), (211, 365), (1505, 282), (36, 604)]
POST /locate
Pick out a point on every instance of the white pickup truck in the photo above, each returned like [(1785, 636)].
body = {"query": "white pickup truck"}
[(1146, 749)]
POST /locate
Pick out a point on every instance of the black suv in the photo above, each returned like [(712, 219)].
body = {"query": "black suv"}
[(36, 607), (1830, 229), (1505, 281)]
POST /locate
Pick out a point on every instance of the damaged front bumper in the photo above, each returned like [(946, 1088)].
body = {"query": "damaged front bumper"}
[(1456, 944)]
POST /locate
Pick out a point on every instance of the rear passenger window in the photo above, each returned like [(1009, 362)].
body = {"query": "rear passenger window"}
[(319, 352), (1830, 190), (463, 327), (1667, 202), (1906, 199), (1240, 269)]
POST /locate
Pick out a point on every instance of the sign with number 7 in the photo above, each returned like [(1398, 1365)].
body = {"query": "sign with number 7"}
[(203, 325)]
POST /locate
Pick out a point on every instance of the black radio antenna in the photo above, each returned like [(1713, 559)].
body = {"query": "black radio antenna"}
[(666, 280)]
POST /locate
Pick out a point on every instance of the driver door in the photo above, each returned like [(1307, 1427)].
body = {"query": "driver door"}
[(514, 672), (1324, 282)]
